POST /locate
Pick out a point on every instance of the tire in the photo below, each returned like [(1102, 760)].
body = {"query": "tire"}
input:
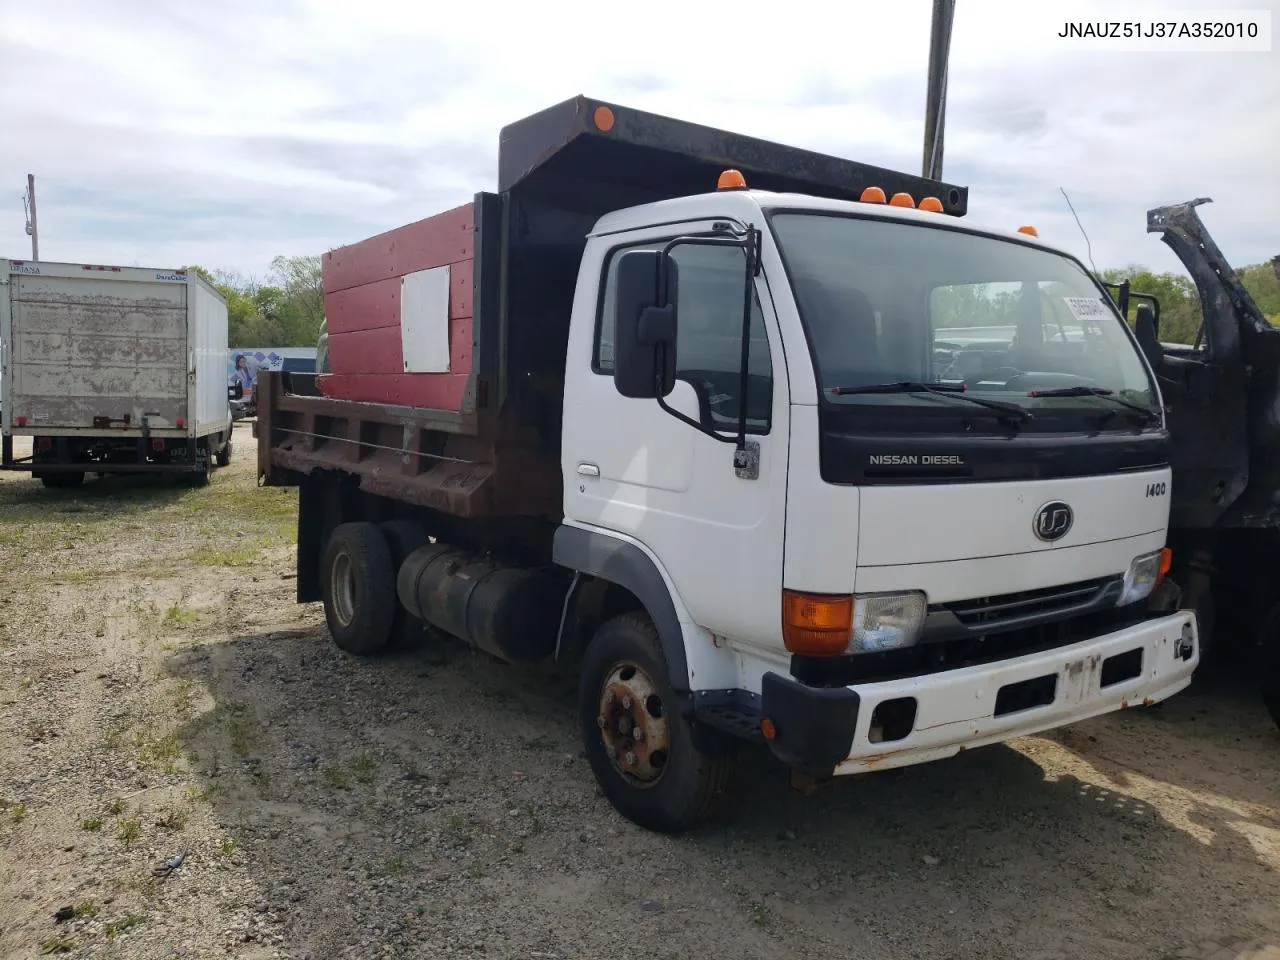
[(692, 785), (358, 587), (404, 537), (1268, 664), (61, 481), (224, 455)]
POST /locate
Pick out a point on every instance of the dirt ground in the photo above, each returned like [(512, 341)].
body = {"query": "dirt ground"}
[(161, 696)]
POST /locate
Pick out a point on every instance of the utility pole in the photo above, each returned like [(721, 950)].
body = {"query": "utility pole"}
[(935, 104), (33, 230)]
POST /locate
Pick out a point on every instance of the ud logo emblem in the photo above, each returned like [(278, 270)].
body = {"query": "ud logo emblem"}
[(1053, 521)]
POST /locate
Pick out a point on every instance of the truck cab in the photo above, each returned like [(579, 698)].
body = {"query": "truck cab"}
[(783, 452), (933, 543)]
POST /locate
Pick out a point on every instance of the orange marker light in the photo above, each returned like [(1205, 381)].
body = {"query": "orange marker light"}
[(931, 204), (902, 200), (768, 730), (603, 118), (872, 195), (731, 180), (1029, 230), (818, 625)]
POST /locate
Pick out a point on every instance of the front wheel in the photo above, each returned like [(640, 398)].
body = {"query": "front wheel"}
[(224, 455), (642, 750)]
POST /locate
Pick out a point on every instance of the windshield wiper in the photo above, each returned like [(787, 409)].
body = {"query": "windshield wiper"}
[(957, 390), (1147, 413)]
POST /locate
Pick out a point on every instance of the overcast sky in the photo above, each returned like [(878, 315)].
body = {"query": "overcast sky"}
[(227, 131)]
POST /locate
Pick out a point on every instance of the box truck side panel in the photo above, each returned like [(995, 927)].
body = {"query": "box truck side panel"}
[(208, 334), (88, 348)]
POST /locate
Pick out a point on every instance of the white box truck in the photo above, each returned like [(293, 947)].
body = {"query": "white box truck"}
[(112, 370)]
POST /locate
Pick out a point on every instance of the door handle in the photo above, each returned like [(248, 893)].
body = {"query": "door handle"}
[(588, 469)]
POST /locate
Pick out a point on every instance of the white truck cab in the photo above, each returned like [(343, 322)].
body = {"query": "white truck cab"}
[(925, 541)]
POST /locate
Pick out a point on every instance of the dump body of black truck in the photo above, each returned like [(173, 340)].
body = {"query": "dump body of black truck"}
[(1222, 396)]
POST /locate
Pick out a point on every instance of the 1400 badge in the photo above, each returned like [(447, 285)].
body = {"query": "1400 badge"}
[(1156, 489)]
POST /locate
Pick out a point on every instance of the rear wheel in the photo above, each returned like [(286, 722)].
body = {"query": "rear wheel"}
[(404, 537), (62, 480), (641, 749), (224, 455), (358, 588), (1269, 664)]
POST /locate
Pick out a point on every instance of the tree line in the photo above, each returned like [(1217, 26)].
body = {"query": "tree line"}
[(286, 310)]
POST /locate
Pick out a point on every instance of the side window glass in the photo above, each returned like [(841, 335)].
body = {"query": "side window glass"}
[(709, 342)]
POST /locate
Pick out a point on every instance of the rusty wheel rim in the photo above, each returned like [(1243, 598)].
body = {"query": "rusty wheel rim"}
[(632, 719)]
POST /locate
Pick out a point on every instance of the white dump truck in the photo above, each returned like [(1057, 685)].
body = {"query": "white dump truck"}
[(112, 370)]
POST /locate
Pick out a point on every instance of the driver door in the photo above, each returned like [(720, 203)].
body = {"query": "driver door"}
[(632, 468)]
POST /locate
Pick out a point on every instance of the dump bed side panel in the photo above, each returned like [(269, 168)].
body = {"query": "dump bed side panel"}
[(88, 346), (399, 314)]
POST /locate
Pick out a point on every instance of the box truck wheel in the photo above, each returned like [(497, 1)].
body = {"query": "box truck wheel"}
[(358, 586), (404, 537), (224, 455), (641, 749), (56, 480), (1269, 663)]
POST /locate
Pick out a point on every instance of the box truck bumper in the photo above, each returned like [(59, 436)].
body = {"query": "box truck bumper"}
[(107, 453), (845, 730)]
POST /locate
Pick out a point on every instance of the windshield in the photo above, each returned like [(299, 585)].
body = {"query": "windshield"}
[(889, 302)]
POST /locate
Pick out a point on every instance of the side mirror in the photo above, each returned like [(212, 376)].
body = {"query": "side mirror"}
[(644, 325), (1144, 328)]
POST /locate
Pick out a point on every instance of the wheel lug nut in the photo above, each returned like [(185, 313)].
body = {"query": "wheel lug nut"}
[(601, 721), (637, 734), (626, 703), (609, 696), (631, 759)]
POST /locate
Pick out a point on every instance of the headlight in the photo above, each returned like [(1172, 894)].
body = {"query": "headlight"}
[(831, 625), (1143, 575), (886, 621)]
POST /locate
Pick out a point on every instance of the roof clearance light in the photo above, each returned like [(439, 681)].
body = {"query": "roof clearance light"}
[(931, 204), (872, 195), (603, 118), (902, 200), (731, 180), (1029, 230)]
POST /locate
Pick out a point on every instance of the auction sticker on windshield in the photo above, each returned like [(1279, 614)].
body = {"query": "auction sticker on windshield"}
[(1087, 309)]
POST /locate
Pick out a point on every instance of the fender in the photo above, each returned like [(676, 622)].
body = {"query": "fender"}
[(626, 565)]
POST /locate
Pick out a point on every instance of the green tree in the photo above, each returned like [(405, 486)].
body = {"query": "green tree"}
[(286, 312)]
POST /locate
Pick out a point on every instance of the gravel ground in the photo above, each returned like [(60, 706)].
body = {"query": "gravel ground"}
[(162, 696)]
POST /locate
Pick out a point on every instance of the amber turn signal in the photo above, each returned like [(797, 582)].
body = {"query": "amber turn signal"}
[(816, 624)]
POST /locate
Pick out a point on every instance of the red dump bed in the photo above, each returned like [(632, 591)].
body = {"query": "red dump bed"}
[(365, 310)]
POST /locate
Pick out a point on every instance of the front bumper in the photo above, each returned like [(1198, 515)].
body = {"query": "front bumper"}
[(845, 730)]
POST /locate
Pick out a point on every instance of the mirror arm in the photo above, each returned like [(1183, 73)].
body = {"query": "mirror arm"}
[(683, 418)]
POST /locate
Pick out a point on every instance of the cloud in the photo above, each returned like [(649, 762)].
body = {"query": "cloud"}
[(228, 133)]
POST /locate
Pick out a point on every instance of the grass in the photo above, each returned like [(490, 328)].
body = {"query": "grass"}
[(116, 807), (126, 923), (58, 944), (161, 751), (227, 847), (337, 777), (86, 909), (174, 820), (180, 617), (225, 556), (128, 831), (18, 813), (92, 824), (365, 768)]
